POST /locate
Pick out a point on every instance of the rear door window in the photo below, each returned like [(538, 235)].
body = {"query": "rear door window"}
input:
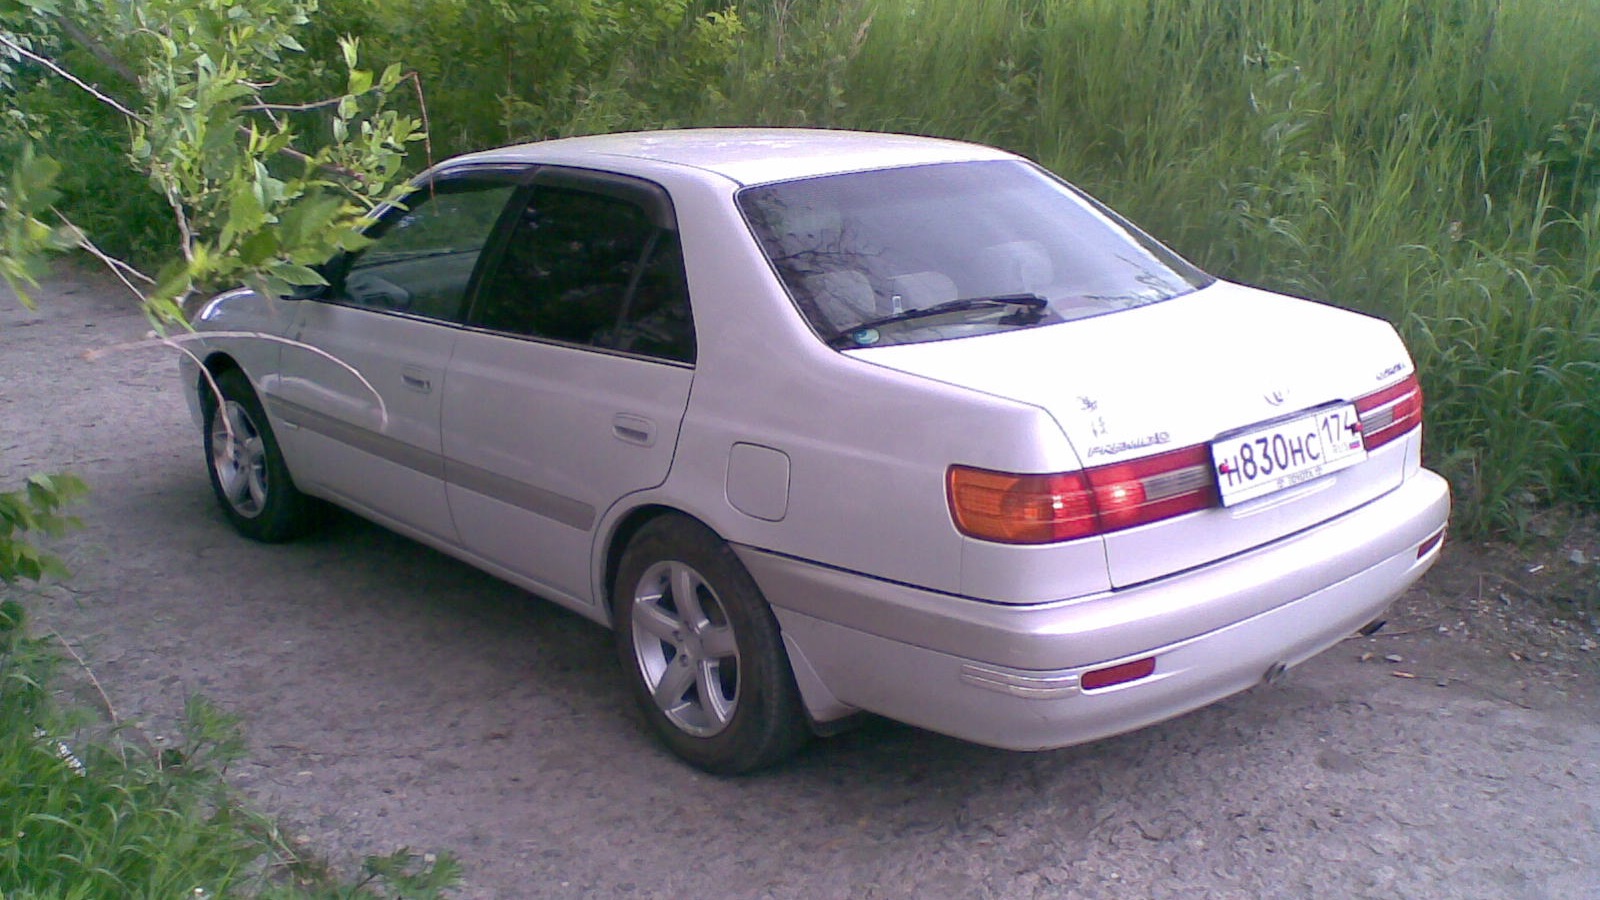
[(594, 267)]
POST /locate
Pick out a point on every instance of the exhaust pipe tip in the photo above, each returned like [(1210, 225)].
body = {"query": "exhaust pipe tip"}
[(1276, 673)]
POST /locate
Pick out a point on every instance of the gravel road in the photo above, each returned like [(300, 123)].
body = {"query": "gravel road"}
[(393, 697)]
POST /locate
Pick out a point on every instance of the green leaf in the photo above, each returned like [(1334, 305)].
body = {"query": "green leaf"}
[(245, 212), (303, 222), (258, 248), (173, 280), (298, 275)]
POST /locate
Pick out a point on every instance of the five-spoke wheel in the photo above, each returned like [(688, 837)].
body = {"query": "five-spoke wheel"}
[(239, 460), (707, 660), (247, 470), (685, 648)]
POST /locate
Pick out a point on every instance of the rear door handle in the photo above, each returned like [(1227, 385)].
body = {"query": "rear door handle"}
[(417, 379), (634, 429)]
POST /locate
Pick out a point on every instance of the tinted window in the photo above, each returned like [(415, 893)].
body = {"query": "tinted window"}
[(592, 269), (424, 254), (859, 251)]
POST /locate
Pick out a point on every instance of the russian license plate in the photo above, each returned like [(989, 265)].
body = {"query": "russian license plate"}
[(1281, 455)]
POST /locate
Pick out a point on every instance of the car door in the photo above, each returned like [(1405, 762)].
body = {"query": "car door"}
[(362, 395), (567, 388)]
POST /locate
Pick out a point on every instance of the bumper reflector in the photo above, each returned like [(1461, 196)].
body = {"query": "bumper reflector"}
[(1118, 674), (1427, 546)]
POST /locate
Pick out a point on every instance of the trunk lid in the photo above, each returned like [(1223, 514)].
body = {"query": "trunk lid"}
[(1183, 372)]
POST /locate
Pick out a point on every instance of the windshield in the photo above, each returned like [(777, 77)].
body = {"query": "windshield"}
[(867, 256)]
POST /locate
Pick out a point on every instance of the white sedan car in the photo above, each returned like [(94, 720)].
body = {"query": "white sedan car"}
[(827, 422)]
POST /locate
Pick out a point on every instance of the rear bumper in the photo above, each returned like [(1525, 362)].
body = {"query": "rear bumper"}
[(1009, 676)]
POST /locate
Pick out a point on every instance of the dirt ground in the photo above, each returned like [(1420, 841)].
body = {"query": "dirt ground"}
[(393, 697)]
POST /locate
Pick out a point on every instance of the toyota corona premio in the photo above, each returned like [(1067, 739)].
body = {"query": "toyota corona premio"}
[(823, 423)]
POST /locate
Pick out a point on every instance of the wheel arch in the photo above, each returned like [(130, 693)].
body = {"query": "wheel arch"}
[(211, 366), (616, 543)]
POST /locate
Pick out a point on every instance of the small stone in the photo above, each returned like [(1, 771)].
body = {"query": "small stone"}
[(1443, 682), (1578, 558), (1394, 658)]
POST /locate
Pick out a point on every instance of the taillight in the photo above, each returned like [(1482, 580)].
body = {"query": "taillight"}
[(1020, 509), (1042, 509), (1153, 488), (1390, 413)]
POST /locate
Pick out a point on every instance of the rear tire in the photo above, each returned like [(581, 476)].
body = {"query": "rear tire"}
[(248, 474), (703, 652)]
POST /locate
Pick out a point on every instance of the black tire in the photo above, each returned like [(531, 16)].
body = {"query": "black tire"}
[(729, 703), (247, 471)]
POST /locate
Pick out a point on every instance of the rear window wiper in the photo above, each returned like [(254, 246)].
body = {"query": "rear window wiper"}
[(1029, 309)]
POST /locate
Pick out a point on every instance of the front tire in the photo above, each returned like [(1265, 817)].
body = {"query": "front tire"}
[(248, 474), (703, 652)]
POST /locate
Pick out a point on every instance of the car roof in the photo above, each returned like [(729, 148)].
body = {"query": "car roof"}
[(744, 155)]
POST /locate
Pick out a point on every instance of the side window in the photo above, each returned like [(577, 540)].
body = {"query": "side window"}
[(423, 257), (587, 268)]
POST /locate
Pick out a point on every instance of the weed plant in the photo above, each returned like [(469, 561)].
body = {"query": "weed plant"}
[(96, 819)]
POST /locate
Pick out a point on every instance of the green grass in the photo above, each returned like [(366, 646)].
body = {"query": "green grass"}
[(1435, 163), (116, 817)]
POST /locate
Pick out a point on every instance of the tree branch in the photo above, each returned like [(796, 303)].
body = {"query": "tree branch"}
[(94, 91), (96, 49), (124, 71), (292, 107)]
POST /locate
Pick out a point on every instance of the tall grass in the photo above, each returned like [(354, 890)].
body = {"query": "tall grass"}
[(1434, 162)]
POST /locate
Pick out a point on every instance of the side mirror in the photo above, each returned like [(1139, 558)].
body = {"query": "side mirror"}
[(332, 271), (307, 292)]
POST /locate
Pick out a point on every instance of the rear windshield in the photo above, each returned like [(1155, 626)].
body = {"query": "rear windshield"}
[(928, 253)]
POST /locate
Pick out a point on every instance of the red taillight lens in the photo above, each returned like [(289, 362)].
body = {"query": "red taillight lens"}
[(1154, 488), (1042, 509), (1390, 413)]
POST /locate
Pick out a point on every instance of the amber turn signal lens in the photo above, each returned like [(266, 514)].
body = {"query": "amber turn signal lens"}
[(1020, 509)]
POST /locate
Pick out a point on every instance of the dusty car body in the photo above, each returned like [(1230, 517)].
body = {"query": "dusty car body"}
[(829, 422)]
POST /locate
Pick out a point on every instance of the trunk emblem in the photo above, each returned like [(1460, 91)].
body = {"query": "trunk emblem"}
[(1276, 398)]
